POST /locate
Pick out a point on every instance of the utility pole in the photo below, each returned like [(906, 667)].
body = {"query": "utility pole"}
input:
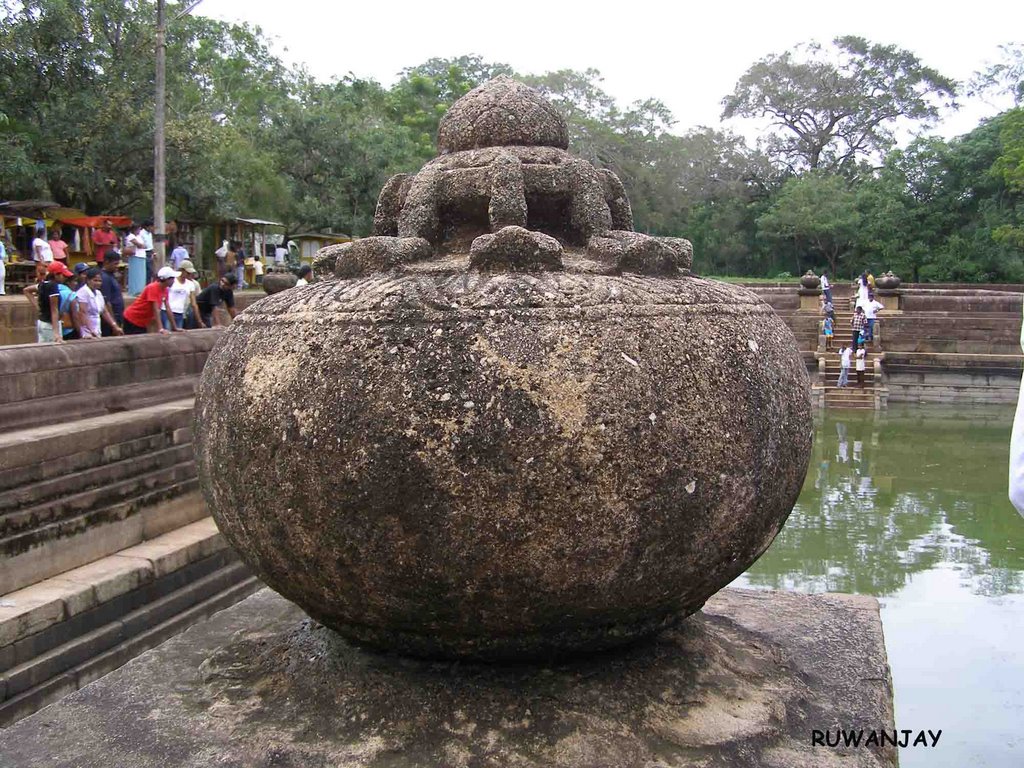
[(159, 170)]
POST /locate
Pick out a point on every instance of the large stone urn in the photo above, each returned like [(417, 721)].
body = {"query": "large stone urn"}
[(809, 280), (511, 430), (887, 282), (275, 282)]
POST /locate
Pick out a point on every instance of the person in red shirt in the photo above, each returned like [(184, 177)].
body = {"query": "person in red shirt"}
[(143, 315), (103, 239)]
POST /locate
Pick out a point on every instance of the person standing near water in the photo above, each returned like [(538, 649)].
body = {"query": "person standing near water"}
[(826, 287), (1017, 448), (857, 325), (845, 354), (861, 365)]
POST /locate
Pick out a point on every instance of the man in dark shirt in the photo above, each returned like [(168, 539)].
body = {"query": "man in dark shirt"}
[(111, 290), (212, 295)]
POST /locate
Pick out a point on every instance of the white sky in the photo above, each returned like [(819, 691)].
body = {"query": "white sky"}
[(688, 55)]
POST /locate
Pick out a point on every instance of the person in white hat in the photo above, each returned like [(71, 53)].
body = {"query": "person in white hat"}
[(181, 296), (143, 315)]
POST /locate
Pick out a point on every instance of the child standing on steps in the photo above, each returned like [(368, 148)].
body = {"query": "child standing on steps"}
[(845, 353), (827, 329), (861, 355)]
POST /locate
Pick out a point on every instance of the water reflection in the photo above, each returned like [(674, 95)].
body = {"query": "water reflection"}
[(911, 506), (893, 495)]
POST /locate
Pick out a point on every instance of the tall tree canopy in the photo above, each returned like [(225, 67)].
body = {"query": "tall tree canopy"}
[(834, 107), (247, 135)]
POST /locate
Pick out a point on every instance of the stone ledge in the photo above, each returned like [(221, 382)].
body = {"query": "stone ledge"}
[(743, 683), (32, 609), (47, 444), (36, 555)]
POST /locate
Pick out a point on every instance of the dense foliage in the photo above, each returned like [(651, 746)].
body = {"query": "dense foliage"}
[(827, 186)]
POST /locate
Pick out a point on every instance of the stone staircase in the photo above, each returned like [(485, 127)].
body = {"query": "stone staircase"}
[(106, 546), (873, 395)]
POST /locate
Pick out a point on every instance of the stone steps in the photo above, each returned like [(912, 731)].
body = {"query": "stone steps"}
[(52, 450), (39, 554), (106, 545), (62, 510), (104, 477), (849, 398), (73, 492), (112, 400), (66, 631)]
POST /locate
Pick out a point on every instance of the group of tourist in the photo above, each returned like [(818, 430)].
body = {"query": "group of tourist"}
[(88, 302), (862, 325)]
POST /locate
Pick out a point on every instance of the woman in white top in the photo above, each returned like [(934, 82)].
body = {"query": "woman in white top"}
[(42, 255), (861, 364), (181, 296), (92, 307)]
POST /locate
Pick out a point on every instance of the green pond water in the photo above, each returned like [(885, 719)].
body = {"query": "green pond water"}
[(911, 506)]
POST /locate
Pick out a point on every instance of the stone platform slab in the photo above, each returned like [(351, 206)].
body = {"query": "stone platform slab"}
[(745, 682)]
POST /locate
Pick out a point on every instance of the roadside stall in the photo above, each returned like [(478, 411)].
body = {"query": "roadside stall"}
[(311, 242), (21, 221), (255, 235)]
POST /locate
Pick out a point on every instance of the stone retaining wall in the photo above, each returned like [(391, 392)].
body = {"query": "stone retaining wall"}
[(18, 317), (106, 545)]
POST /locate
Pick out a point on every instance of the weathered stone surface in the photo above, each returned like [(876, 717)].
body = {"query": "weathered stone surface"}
[(508, 193), (588, 211), (419, 216), (514, 249), (375, 254), (389, 204), (507, 464), (682, 248), (501, 112), (618, 202), (325, 260), (275, 282), (634, 252), (742, 684)]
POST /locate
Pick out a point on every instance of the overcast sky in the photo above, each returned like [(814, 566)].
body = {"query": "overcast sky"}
[(688, 55)]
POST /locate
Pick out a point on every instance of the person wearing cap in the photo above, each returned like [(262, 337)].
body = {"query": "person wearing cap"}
[(79, 271), (110, 287), (45, 296), (181, 296), (143, 315), (103, 240), (92, 308)]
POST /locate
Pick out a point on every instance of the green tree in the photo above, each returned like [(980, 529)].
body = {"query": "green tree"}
[(817, 211), (76, 81), (833, 108), (1004, 76)]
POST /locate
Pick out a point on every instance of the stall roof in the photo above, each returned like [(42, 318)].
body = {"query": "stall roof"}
[(38, 209), (96, 221), (320, 236), (261, 222)]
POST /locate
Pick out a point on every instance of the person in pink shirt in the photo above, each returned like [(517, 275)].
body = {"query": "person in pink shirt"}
[(58, 246)]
